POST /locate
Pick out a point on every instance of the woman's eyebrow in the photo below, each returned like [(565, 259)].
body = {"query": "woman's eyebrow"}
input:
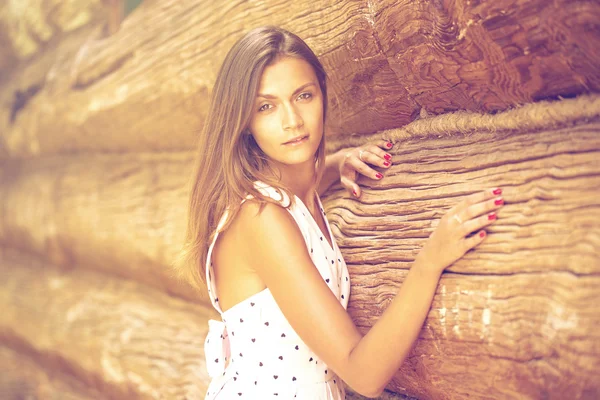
[(270, 96)]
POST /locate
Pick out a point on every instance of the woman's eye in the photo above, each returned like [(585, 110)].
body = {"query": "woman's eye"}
[(264, 107), (305, 96)]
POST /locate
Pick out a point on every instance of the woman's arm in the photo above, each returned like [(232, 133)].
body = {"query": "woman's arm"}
[(275, 248), (396, 331), (332, 169)]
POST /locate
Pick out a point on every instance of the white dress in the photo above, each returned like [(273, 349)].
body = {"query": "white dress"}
[(267, 359)]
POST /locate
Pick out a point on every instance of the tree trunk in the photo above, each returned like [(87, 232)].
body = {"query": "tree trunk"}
[(388, 63)]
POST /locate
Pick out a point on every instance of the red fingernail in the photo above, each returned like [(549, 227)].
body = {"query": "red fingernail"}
[(492, 216), (354, 191), (386, 163), (497, 191), (387, 157), (499, 202), (379, 176), (482, 234), (389, 145)]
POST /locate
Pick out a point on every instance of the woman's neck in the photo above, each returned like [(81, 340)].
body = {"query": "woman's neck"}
[(301, 180)]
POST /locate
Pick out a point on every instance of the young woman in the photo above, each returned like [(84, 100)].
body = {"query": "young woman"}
[(259, 237)]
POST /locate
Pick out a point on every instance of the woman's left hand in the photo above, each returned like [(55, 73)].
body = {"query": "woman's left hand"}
[(359, 161)]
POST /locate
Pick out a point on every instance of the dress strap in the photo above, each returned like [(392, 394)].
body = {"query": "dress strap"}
[(216, 345), (212, 290), (209, 270)]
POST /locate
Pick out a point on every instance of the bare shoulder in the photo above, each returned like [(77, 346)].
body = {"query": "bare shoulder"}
[(254, 218), (235, 277), (266, 233), (252, 211)]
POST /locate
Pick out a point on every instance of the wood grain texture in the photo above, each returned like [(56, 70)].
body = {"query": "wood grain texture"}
[(27, 27), (127, 340), (519, 336), (121, 214), (487, 56), (389, 62), (517, 317), (550, 179), (23, 378)]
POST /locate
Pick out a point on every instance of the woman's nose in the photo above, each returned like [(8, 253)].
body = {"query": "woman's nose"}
[(291, 118)]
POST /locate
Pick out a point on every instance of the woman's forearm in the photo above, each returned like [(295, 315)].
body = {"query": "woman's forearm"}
[(381, 352)]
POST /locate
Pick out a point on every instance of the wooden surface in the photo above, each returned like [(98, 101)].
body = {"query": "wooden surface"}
[(519, 314), (118, 213), (29, 27), (23, 378), (146, 88), (127, 340)]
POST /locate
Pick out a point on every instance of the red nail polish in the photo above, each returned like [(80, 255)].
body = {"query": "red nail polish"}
[(379, 176), (482, 234), (499, 202), (389, 145), (492, 216), (497, 191), (386, 163), (387, 157), (354, 191)]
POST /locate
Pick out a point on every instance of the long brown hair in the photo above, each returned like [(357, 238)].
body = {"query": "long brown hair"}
[(229, 160)]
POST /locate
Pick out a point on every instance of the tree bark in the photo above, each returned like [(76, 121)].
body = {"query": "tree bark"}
[(23, 378), (130, 341), (389, 62)]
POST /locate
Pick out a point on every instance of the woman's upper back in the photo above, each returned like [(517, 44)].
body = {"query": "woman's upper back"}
[(234, 277)]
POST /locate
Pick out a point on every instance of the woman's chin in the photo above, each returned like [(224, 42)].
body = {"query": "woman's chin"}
[(297, 160)]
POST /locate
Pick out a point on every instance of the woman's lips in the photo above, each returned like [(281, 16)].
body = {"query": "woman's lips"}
[(297, 142)]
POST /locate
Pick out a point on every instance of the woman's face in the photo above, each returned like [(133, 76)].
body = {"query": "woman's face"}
[(289, 106)]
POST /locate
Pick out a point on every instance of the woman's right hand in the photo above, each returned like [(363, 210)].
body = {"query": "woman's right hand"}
[(449, 241)]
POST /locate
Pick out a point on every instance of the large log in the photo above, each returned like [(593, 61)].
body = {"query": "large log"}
[(520, 310), (119, 213), (128, 341), (516, 318), (27, 27), (389, 62), (23, 378), (523, 336)]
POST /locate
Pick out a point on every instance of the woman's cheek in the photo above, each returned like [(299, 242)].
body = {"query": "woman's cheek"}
[(263, 135)]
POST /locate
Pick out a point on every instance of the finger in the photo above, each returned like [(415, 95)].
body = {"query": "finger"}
[(350, 186), (478, 209), (379, 157), (478, 223), (477, 198), (469, 243), (362, 167), (384, 144)]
